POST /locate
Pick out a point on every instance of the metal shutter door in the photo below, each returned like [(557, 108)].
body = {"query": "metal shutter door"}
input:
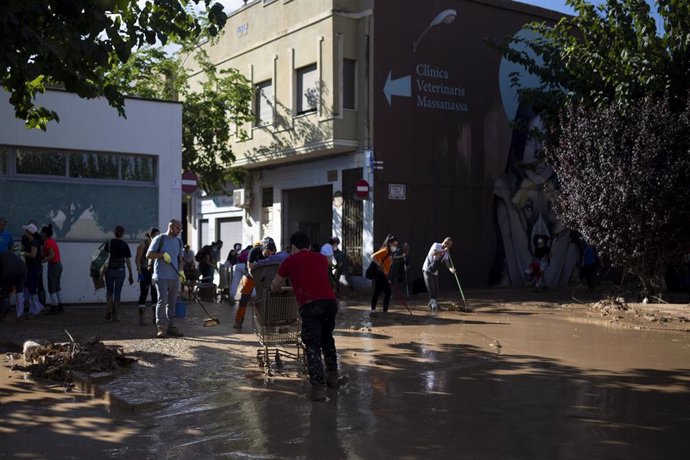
[(230, 232)]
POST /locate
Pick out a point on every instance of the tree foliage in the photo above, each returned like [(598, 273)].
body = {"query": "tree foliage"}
[(624, 177), (214, 106), (608, 54), (74, 43)]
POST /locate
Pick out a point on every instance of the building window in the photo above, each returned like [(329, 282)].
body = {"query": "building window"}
[(93, 166), (41, 163), (267, 197), (4, 157), (83, 194), (138, 168), (263, 103), (307, 89), (349, 83)]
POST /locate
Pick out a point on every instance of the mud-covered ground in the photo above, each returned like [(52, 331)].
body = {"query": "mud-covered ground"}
[(525, 375)]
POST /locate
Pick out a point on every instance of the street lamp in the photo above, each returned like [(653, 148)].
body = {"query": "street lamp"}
[(444, 17)]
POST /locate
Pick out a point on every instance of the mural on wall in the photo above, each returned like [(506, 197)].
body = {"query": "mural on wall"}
[(524, 196)]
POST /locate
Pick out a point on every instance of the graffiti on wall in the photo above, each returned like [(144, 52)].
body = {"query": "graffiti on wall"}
[(524, 200)]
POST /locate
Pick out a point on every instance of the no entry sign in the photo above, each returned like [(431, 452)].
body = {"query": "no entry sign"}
[(362, 189), (189, 182)]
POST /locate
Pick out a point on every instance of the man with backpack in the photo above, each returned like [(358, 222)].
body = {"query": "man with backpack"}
[(166, 252)]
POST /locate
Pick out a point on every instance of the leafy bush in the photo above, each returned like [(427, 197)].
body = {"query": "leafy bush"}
[(624, 176)]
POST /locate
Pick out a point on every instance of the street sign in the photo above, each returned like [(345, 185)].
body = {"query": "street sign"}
[(362, 189), (397, 192), (189, 182)]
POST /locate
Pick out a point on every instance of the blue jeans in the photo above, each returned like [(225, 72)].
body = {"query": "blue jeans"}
[(114, 279), (318, 322), (167, 297)]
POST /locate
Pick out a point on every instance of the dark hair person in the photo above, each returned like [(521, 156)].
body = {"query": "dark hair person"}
[(120, 256), (383, 258)]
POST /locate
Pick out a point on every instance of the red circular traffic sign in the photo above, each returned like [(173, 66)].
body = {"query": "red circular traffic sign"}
[(362, 189), (189, 182)]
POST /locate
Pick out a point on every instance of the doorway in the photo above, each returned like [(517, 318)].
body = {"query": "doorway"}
[(310, 210)]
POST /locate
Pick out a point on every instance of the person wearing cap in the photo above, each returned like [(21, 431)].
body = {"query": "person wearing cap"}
[(307, 271), (5, 236), (144, 275), (382, 259), (32, 253), (166, 252), (265, 248)]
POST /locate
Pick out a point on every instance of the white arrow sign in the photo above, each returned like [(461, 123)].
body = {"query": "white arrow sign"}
[(398, 87)]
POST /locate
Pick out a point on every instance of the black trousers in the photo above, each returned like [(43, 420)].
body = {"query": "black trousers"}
[(318, 322), (381, 284)]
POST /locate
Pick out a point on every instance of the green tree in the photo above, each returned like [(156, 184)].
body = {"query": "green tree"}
[(606, 54), (212, 107), (73, 43)]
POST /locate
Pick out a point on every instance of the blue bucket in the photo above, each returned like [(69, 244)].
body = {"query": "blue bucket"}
[(180, 309)]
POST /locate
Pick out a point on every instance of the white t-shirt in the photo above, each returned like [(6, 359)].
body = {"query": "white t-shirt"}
[(432, 262)]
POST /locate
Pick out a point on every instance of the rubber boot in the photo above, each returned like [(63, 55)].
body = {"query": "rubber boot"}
[(35, 306), (20, 304), (239, 316), (142, 315), (116, 306), (109, 310)]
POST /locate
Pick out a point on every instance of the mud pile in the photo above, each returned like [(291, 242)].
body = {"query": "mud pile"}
[(56, 362), (610, 306)]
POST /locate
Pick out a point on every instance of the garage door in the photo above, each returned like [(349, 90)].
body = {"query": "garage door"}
[(203, 234), (229, 231)]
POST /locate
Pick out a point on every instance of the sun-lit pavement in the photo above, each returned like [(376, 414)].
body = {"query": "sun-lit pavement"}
[(513, 379)]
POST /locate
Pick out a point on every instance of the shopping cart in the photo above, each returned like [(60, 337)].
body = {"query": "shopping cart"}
[(276, 322)]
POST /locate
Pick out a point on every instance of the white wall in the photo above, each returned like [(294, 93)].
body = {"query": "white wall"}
[(151, 128)]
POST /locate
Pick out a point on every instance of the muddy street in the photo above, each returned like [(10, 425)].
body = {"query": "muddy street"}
[(511, 380)]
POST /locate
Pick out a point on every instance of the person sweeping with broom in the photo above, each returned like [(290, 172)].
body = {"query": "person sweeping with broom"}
[(438, 253), (166, 252)]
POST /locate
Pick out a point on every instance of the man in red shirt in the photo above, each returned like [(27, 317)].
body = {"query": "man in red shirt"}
[(308, 272)]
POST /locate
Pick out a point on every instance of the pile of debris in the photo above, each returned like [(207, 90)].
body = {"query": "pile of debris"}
[(610, 306), (56, 362)]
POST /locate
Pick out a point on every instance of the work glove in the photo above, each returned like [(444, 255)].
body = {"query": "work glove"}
[(166, 257), (183, 279), (451, 269), (140, 277)]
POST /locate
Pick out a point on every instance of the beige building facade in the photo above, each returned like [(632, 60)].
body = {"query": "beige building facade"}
[(308, 61)]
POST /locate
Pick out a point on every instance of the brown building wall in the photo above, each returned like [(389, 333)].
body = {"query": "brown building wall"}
[(449, 158)]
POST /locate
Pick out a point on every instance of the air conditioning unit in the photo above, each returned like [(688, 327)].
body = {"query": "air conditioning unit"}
[(242, 197)]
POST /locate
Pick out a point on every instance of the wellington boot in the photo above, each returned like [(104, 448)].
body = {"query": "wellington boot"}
[(318, 392), (109, 310), (116, 306)]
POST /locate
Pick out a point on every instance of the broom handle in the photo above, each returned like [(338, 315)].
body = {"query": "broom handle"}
[(456, 279)]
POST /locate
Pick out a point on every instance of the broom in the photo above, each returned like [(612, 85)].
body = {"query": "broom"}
[(457, 280), (208, 322)]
